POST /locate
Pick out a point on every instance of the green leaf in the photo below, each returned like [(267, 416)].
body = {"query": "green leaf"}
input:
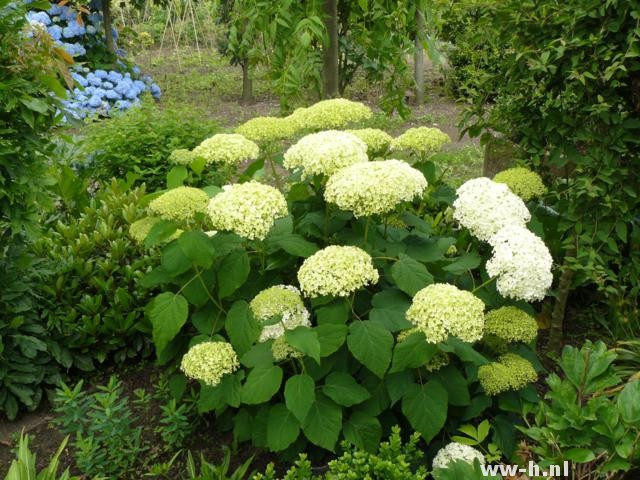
[(197, 247), (389, 308), (299, 395), (464, 351), (262, 383), (168, 312), (397, 384), (363, 431), (344, 390), (331, 338), (371, 344), (293, 244), (241, 327), (259, 354), (233, 272), (410, 275), (323, 423), (176, 176), (464, 263), (483, 430), (455, 384), (160, 232), (425, 406), (282, 428), (337, 312), (412, 352), (629, 403), (174, 261), (306, 340), (578, 455)]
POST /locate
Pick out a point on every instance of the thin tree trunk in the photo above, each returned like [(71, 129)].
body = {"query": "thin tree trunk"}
[(247, 84), (418, 57), (330, 71), (560, 307), (106, 18)]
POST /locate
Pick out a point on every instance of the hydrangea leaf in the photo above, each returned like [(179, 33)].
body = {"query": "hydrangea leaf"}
[(306, 340), (412, 352), (363, 431), (234, 271), (241, 327), (344, 390), (168, 313), (410, 275), (323, 423), (262, 384), (371, 344), (282, 428), (299, 395), (425, 406), (331, 338)]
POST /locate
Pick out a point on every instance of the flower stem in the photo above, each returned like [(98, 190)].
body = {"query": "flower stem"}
[(484, 284)]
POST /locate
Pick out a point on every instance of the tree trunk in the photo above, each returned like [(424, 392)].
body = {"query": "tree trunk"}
[(418, 57), (330, 70), (247, 84), (106, 18), (560, 307)]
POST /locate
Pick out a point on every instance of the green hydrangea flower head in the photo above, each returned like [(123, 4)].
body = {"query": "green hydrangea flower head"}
[(247, 209), (209, 362), (511, 324), (378, 141), (281, 350), (264, 130), (374, 188), (180, 204), (510, 372), (283, 302), (439, 360), (331, 114), (139, 229), (182, 156), (523, 182), (227, 149), (337, 271), (325, 153), (440, 310), (421, 140)]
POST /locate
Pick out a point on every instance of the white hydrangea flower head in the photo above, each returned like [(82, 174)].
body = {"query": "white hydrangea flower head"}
[(331, 114), (378, 141), (522, 263), (337, 271), (325, 153), (282, 301), (182, 156), (441, 309), (209, 362), (421, 140), (484, 207), (179, 204), (456, 451), (247, 209), (227, 149), (264, 130), (374, 188)]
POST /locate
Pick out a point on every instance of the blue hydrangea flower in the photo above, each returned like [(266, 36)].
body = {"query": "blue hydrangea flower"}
[(155, 91), (95, 101), (55, 31), (40, 17), (114, 77), (112, 95), (55, 9), (73, 29), (102, 74)]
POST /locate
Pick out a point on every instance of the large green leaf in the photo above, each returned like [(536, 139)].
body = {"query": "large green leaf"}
[(629, 402), (197, 247), (371, 344), (463, 263), (425, 406), (299, 395), (293, 244), (241, 327), (412, 352), (262, 384), (331, 338), (173, 260), (337, 312), (323, 423), (363, 431), (306, 340), (389, 308), (168, 313), (282, 428), (344, 390), (456, 385), (233, 272), (410, 275)]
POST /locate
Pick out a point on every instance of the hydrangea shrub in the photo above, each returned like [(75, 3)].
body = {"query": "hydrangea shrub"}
[(346, 303)]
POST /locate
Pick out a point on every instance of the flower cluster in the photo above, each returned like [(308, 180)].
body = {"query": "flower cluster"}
[(325, 153), (510, 372), (456, 451), (440, 310), (378, 141), (484, 207), (248, 209), (209, 362), (279, 308), (264, 130), (337, 271), (374, 188), (101, 91), (139, 229), (180, 204), (421, 140), (522, 263), (523, 182), (182, 156), (281, 350), (330, 114), (511, 324), (227, 149)]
